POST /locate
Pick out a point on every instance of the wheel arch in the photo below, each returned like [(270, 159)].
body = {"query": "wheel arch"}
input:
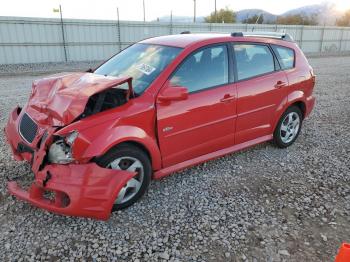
[(126, 134), (300, 103), (137, 144)]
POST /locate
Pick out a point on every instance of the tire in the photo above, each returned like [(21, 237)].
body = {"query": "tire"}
[(122, 157), (288, 127)]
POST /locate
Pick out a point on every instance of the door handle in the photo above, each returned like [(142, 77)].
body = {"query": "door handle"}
[(280, 84), (227, 98)]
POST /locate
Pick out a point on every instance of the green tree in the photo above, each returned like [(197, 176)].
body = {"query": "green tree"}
[(222, 16), (297, 20), (255, 19), (344, 20)]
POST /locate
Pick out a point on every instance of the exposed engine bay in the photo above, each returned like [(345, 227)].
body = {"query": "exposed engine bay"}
[(105, 100)]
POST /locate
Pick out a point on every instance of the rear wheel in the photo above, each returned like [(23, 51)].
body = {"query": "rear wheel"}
[(131, 158), (288, 127)]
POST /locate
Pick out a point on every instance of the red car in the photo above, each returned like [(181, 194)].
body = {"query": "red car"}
[(96, 139)]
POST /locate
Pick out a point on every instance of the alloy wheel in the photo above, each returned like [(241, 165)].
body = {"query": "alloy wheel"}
[(133, 186), (290, 127)]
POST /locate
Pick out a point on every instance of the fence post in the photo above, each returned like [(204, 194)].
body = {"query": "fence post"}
[(341, 40), (118, 31), (301, 37), (171, 22), (63, 38), (322, 39)]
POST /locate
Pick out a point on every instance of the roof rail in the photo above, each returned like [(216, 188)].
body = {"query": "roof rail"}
[(185, 32), (276, 35)]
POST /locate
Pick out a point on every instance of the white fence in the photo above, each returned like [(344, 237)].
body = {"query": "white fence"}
[(36, 40)]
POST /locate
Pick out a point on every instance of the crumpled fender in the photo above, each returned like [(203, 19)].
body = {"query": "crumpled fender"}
[(91, 190), (123, 133)]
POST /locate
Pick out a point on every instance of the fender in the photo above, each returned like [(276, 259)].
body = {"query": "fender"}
[(296, 96), (293, 97), (279, 111), (124, 133)]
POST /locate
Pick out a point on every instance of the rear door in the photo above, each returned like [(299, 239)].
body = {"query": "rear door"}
[(261, 90), (205, 121)]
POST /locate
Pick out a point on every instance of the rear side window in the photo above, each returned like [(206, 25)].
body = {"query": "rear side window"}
[(203, 69), (253, 60), (285, 56)]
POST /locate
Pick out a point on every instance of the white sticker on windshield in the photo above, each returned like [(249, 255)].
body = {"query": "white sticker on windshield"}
[(146, 69)]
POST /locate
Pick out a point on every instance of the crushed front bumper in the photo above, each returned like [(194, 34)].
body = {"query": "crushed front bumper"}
[(85, 190)]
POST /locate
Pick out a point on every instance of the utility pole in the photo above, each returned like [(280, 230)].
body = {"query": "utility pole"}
[(194, 11), (216, 15), (144, 11)]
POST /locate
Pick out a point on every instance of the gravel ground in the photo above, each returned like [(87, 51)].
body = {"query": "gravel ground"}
[(261, 204), (44, 68)]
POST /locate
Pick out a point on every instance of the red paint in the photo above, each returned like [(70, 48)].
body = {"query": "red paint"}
[(91, 189), (67, 95), (177, 129)]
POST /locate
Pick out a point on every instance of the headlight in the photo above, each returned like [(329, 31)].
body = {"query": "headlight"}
[(60, 152), (71, 138)]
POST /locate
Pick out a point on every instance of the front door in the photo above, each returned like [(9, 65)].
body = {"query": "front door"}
[(205, 121)]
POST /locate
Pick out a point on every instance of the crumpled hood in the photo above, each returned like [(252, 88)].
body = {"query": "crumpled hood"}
[(59, 99)]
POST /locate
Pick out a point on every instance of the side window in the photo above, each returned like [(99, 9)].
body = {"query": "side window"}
[(253, 60), (203, 69), (285, 56)]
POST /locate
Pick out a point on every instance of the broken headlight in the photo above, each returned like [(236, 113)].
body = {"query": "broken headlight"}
[(60, 151)]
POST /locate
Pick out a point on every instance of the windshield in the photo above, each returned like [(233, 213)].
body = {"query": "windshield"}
[(143, 62)]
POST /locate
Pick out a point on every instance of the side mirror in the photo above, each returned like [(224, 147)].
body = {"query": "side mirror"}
[(173, 93)]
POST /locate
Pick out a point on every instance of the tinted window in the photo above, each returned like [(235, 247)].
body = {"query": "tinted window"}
[(203, 69), (253, 60), (142, 62), (285, 56)]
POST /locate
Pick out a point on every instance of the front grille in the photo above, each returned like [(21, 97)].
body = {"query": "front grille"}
[(28, 128)]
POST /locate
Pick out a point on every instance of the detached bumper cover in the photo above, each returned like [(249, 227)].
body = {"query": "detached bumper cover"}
[(85, 190)]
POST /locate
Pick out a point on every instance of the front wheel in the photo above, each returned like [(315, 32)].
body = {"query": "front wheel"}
[(288, 127), (131, 158)]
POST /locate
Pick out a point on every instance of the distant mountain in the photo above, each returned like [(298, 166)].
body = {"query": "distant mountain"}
[(325, 13), (248, 13), (307, 10)]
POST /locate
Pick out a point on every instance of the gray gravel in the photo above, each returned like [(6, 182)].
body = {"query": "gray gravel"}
[(44, 68), (262, 204)]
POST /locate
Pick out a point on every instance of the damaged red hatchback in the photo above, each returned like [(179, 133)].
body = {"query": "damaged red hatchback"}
[(96, 139)]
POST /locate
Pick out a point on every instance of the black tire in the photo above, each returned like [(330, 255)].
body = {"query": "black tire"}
[(277, 135), (129, 150)]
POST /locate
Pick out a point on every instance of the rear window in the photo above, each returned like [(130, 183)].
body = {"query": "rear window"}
[(285, 56), (253, 60)]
